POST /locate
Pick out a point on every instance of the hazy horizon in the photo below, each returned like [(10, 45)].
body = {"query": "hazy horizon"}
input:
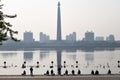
[(99, 16)]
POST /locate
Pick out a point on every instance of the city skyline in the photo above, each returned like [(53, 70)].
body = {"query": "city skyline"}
[(88, 36), (99, 16)]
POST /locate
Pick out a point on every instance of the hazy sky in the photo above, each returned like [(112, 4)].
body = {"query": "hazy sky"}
[(100, 16)]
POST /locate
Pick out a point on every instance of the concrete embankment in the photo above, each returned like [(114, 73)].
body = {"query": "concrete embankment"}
[(85, 77)]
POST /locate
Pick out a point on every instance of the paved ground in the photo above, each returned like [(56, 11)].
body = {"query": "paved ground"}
[(82, 77)]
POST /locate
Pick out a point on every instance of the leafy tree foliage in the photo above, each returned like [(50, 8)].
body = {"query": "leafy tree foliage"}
[(5, 27)]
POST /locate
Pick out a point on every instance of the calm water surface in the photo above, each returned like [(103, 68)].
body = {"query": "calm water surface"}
[(101, 60)]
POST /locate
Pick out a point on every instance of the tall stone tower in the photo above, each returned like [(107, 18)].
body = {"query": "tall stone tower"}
[(59, 37)]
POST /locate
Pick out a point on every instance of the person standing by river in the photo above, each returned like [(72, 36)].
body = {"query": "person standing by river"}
[(31, 71)]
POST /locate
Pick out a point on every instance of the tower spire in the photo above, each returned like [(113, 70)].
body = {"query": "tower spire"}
[(58, 3), (59, 23)]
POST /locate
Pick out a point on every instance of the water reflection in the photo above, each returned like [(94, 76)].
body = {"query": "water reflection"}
[(89, 57), (59, 61), (7, 55), (28, 56), (44, 54), (72, 56)]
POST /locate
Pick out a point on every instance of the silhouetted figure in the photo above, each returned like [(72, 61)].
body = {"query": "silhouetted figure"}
[(24, 62), (118, 61), (4, 65), (76, 64), (37, 65), (23, 66), (24, 73), (66, 72), (31, 71), (47, 73), (52, 73), (97, 72), (79, 72), (118, 65), (52, 64), (64, 64), (59, 71), (109, 71), (73, 72), (92, 72)]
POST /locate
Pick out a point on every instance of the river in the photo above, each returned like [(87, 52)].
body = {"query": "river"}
[(70, 59)]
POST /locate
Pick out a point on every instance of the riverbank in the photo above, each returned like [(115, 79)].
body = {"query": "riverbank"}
[(81, 77)]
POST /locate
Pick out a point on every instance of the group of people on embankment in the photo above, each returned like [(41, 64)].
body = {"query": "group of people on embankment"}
[(51, 72)]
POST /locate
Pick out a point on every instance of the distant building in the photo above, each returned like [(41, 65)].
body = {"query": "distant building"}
[(99, 38), (89, 36), (110, 38), (71, 37), (9, 41), (28, 37), (44, 37)]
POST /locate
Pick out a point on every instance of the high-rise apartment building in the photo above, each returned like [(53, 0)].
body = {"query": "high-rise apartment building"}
[(99, 38), (71, 37), (28, 37), (44, 37), (110, 38), (89, 36)]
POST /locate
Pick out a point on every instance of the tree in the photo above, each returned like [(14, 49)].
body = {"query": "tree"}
[(5, 27)]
